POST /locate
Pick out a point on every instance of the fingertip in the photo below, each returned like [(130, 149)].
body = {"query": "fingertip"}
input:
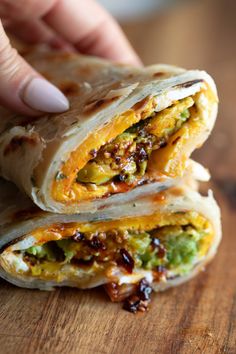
[(41, 95)]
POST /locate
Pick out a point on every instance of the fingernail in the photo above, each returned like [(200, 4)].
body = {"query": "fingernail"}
[(41, 95)]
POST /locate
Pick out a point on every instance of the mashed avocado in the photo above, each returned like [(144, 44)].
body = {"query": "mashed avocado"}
[(42, 252), (126, 157), (175, 248)]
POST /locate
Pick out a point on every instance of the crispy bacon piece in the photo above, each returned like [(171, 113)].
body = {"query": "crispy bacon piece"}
[(17, 141)]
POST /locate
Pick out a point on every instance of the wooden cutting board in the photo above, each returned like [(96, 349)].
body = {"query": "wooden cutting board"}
[(198, 317)]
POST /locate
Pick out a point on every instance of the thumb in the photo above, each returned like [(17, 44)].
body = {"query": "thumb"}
[(22, 89)]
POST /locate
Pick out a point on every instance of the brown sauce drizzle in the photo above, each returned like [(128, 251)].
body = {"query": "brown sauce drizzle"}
[(126, 261)]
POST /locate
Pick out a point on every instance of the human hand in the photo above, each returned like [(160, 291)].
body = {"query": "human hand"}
[(79, 24)]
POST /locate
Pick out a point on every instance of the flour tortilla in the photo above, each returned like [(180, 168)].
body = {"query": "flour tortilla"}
[(31, 151), (19, 217)]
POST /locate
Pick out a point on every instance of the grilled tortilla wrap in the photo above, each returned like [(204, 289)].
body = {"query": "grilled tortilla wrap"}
[(126, 128), (166, 239)]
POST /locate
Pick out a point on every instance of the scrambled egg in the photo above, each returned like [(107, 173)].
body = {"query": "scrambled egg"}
[(80, 179), (186, 238)]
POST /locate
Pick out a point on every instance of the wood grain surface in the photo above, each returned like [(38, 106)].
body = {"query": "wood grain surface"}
[(198, 317)]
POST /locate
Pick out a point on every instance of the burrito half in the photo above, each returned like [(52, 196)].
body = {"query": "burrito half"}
[(127, 128), (157, 242)]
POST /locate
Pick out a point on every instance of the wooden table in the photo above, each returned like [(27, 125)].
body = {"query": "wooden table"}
[(198, 317)]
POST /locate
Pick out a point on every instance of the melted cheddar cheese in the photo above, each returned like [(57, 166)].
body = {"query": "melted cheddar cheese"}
[(169, 160), (64, 270)]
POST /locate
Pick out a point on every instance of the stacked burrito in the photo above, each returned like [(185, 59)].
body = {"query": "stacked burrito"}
[(107, 191)]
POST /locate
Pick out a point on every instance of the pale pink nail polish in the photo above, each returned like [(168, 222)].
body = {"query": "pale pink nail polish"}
[(41, 95)]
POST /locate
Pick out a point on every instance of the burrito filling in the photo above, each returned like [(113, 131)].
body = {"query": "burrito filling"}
[(132, 150), (118, 253)]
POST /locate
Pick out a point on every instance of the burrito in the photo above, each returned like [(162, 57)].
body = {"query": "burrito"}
[(156, 242), (127, 128)]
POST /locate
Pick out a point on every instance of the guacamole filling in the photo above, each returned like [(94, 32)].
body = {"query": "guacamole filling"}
[(133, 149), (173, 248), (125, 158), (125, 254)]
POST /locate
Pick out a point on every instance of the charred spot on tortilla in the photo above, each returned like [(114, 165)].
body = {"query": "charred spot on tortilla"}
[(160, 197), (159, 74), (94, 106), (189, 83), (141, 104), (17, 142), (69, 88)]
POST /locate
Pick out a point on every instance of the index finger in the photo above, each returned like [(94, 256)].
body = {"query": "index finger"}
[(91, 30)]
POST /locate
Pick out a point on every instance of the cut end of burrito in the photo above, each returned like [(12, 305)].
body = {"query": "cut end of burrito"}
[(127, 128), (138, 147), (109, 163), (167, 242)]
